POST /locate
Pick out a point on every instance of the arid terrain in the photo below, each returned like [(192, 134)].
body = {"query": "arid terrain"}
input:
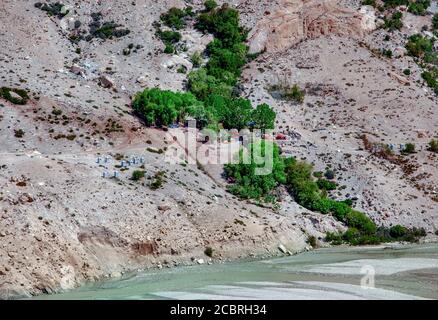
[(65, 219)]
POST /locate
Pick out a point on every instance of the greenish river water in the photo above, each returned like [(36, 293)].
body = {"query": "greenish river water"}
[(396, 272)]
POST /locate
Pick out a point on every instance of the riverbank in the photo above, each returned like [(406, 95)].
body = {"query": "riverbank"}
[(400, 272)]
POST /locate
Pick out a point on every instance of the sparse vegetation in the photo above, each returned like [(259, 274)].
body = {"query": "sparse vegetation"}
[(433, 145), (104, 30), (324, 184), (409, 148), (419, 46), (208, 252), (53, 9), (311, 240), (287, 92), (169, 38), (174, 18), (419, 7), (137, 175), (158, 180), (394, 22), (19, 133), (15, 96)]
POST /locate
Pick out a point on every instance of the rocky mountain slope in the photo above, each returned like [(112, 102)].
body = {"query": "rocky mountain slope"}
[(62, 222)]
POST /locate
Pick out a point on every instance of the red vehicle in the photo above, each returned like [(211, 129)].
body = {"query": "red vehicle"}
[(280, 136)]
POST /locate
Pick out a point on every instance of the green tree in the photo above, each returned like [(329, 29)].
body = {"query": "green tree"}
[(418, 46), (202, 85), (210, 5), (163, 107), (247, 182), (236, 114), (174, 18), (263, 117)]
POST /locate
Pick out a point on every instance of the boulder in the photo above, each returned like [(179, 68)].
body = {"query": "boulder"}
[(282, 248), (163, 208), (15, 95), (77, 70), (106, 81)]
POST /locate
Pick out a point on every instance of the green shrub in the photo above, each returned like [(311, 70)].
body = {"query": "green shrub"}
[(431, 80), (419, 7), (208, 252), (360, 221), (202, 85), (394, 22), (351, 234), (263, 117), (223, 23), (435, 22), (174, 18), (137, 175), (210, 5), (169, 36), (326, 185), (329, 174), (290, 93), (196, 59), (311, 240), (409, 148), (334, 238), (108, 30), (158, 180), (19, 133), (21, 98), (398, 231), (387, 53), (418, 46), (433, 146), (407, 72), (52, 9), (369, 3)]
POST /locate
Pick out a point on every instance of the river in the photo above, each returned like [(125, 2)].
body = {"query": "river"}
[(381, 272)]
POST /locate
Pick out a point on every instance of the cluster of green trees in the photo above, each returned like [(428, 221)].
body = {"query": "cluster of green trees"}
[(163, 107), (419, 7), (297, 176), (210, 100), (248, 183), (227, 52)]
